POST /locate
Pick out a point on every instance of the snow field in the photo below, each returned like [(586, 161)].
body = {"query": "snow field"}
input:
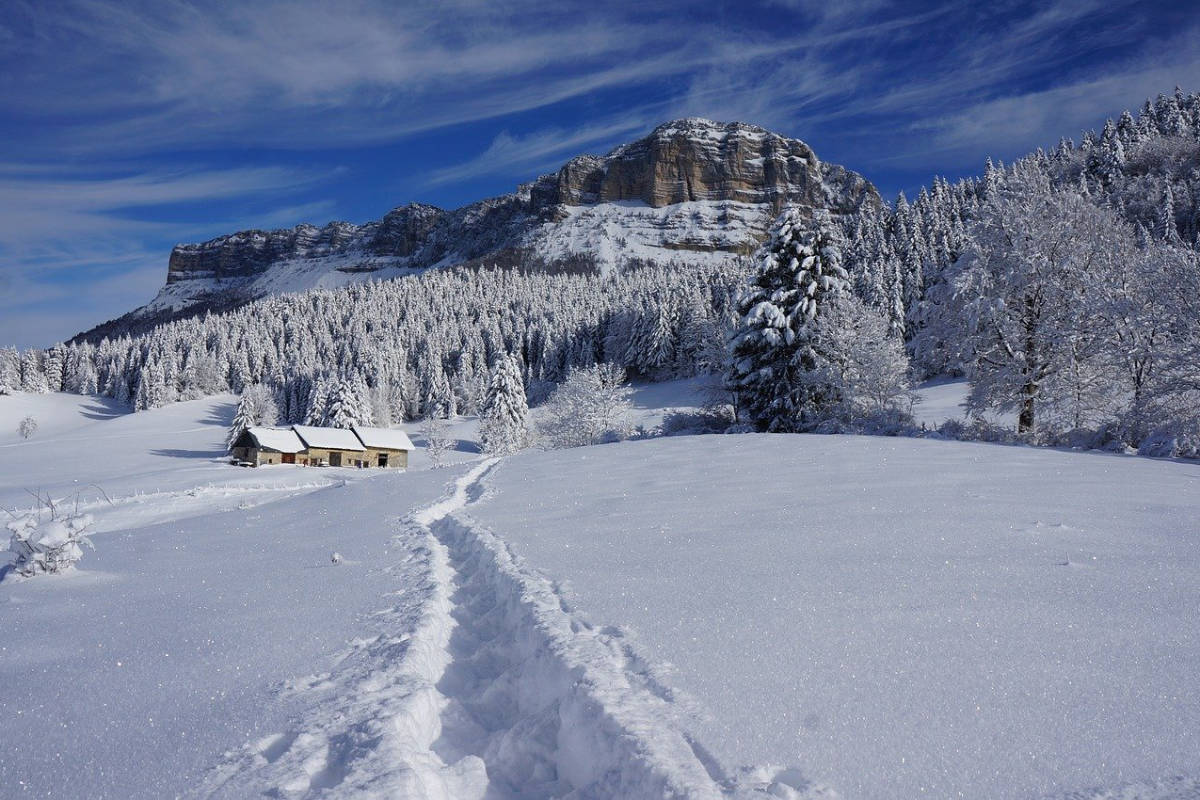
[(482, 683), (171, 643), (131, 470), (883, 617), (894, 617)]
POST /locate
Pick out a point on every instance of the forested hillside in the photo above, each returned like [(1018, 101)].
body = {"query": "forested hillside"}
[(1064, 286), (409, 345)]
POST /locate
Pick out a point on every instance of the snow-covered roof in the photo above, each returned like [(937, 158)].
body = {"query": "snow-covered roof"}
[(385, 438), (283, 440), (328, 438)]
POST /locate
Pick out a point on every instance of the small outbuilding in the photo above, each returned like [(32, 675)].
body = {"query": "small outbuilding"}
[(260, 446), (337, 447), (385, 447)]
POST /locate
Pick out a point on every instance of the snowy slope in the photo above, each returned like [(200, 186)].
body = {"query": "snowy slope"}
[(699, 231), (178, 641), (224, 643), (891, 617), (135, 469), (196, 622), (945, 399), (694, 617)]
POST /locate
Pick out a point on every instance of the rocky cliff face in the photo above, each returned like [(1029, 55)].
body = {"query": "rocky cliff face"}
[(697, 160), (691, 190)]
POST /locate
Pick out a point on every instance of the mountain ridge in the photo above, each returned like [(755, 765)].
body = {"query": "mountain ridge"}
[(692, 189)]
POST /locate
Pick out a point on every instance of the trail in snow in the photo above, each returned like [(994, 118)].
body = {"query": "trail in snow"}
[(483, 684)]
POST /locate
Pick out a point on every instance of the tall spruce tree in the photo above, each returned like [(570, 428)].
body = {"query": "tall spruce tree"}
[(347, 407), (10, 370), (503, 426), (777, 352)]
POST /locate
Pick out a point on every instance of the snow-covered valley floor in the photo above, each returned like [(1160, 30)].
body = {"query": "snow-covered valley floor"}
[(713, 616)]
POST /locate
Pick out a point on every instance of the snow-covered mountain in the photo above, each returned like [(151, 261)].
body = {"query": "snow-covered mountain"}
[(692, 190)]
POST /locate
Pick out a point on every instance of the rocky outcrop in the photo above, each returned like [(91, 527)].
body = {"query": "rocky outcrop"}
[(698, 160), (691, 190)]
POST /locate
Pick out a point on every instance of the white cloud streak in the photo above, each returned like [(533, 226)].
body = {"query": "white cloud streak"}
[(104, 83)]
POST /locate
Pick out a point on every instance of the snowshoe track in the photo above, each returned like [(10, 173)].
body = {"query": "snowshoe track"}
[(483, 685)]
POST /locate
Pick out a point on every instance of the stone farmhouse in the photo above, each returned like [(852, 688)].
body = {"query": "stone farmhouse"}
[(310, 446)]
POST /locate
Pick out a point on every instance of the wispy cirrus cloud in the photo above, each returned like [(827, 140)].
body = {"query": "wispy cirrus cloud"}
[(142, 122), (41, 201), (1041, 116), (541, 150), (60, 231)]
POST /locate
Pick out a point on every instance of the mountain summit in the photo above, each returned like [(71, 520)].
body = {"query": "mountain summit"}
[(692, 190)]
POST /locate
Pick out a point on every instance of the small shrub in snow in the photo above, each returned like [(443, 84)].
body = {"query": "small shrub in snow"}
[(48, 546), (886, 421), (437, 440), (684, 423), (1176, 439), (590, 407), (978, 430), (27, 427), (1076, 439)]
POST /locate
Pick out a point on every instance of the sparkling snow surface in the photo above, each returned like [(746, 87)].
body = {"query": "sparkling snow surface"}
[(854, 617), (177, 641), (136, 469), (892, 617)]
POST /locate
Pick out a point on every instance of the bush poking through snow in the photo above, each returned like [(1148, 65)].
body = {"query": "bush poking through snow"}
[(1175, 439), (590, 407), (437, 440), (27, 427), (48, 546)]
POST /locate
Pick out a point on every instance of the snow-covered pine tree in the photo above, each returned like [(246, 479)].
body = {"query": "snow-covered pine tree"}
[(346, 408), (33, 379), (256, 407), (440, 401), (54, 366), (149, 392), (1168, 230), (504, 414), (318, 402), (777, 352), (10, 370)]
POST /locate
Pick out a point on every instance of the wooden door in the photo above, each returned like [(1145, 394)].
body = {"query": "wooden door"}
[(289, 458), (335, 459)]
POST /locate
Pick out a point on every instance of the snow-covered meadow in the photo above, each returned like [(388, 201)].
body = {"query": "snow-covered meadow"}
[(892, 617), (695, 616)]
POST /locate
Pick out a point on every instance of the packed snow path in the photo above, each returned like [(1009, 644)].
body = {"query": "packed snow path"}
[(483, 684)]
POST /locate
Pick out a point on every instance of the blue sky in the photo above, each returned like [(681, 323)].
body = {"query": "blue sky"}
[(131, 126)]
